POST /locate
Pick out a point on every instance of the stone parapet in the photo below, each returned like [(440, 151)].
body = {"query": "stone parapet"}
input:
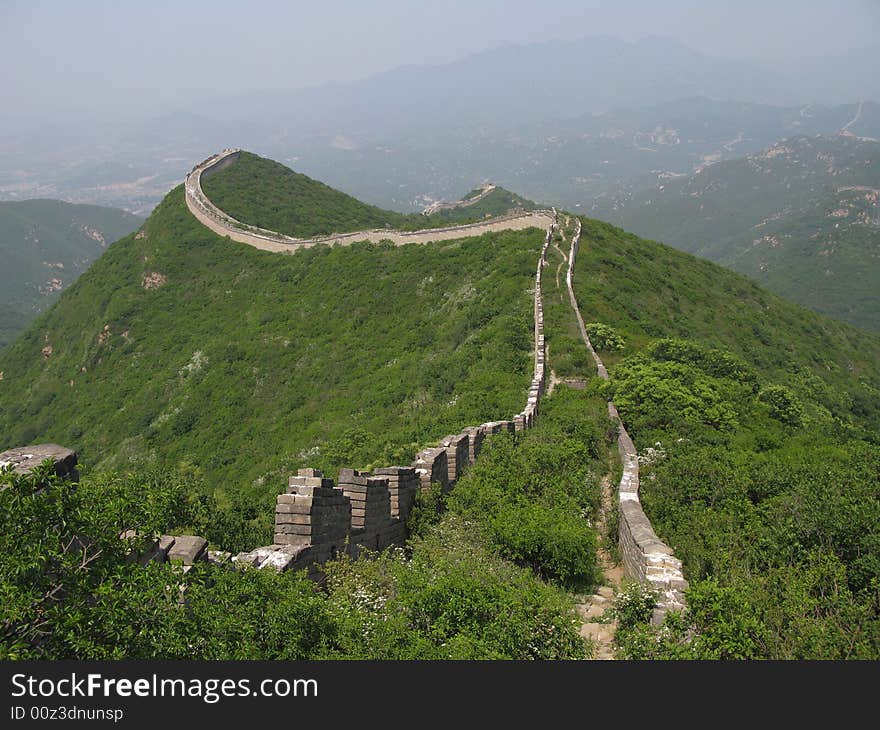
[(646, 558)]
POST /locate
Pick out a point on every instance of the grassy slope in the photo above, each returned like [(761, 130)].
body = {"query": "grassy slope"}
[(647, 290), (766, 482), (297, 205), (723, 213), (246, 363), (34, 233)]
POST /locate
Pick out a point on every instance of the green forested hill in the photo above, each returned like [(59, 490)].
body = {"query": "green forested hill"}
[(44, 246), (182, 346), (757, 424), (497, 202), (266, 194), (802, 218), (193, 374)]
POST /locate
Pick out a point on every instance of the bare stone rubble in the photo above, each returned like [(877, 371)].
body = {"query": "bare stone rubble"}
[(187, 550)]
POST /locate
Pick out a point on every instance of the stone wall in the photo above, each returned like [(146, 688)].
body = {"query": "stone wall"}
[(438, 206), (225, 225), (184, 550), (24, 459), (646, 558), (317, 519)]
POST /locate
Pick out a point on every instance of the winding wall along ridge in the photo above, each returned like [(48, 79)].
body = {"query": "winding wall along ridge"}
[(315, 519), (225, 225), (646, 558)]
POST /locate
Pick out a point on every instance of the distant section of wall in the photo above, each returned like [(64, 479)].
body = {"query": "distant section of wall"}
[(646, 558), (438, 206), (225, 225)]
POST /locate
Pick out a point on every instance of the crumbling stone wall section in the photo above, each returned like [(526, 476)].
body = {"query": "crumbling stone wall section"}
[(378, 504), (317, 520), (432, 467), (183, 550), (457, 449), (646, 558), (403, 484)]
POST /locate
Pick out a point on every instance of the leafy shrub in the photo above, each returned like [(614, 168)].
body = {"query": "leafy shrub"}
[(784, 405), (604, 337), (534, 494), (633, 605), (454, 599)]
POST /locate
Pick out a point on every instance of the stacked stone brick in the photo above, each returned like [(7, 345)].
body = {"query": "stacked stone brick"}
[(457, 449), (370, 506), (312, 511), (476, 436), (403, 484), (431, 466)]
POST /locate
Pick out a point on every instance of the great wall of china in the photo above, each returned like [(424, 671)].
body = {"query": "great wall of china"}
[(466, 203), (316, 519), (646, 558), (225, 225)]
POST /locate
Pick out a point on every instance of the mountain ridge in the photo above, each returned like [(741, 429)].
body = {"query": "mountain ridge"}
[(801, 217), (44, 245)]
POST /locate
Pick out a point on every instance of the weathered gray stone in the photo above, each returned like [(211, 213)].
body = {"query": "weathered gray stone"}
[(24, 459), (188, 549)]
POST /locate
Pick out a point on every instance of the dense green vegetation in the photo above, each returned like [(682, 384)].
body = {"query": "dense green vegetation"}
[(192, 374), (538, 497), (249, 364), (497, 202), (468, 585), (802, 219), (45, 245), (266, 194), (762, 474)]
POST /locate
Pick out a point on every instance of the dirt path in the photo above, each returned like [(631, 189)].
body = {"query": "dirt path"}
[(554, 381), (561, 264), (591, 608)]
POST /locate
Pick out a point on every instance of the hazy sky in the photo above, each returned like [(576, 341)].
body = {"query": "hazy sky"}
[(90, 54)]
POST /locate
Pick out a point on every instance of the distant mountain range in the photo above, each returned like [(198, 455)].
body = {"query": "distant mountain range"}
[(801, 217), (44, 246), (434, 131), (570, 161)]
